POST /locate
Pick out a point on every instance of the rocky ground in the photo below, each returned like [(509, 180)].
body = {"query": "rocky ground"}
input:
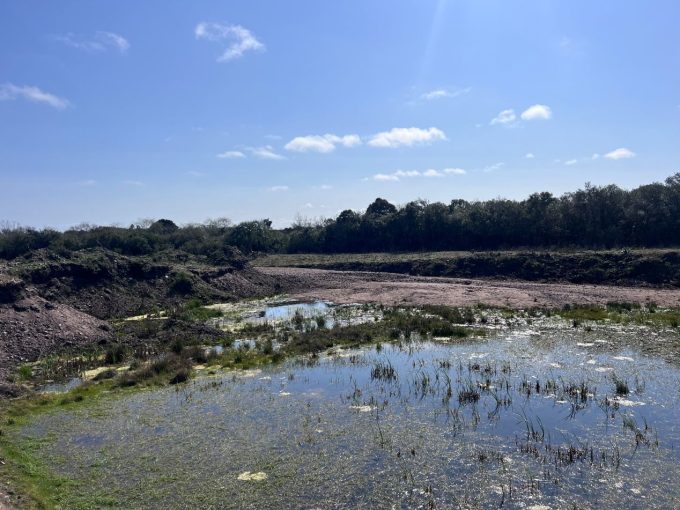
[(391, 289), (50, 302)]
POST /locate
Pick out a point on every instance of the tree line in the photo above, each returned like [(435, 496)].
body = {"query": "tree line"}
[(592, 217)]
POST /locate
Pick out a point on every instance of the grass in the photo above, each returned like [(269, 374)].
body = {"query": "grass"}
[(623, 313), (396, 324), (193, 310)]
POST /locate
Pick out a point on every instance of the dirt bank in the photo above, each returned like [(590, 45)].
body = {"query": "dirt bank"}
[(388, 288), (626, 268)]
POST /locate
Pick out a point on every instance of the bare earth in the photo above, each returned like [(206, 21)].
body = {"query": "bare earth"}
[(398, 289)]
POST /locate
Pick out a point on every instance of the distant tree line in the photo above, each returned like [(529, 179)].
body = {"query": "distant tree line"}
[(593, 217), (213, 239)]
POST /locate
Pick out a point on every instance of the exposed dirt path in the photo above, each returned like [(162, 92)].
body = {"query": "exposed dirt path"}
[(391, 289)]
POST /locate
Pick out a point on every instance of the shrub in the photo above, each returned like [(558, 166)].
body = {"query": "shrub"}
[(181, 283), (114, 354)]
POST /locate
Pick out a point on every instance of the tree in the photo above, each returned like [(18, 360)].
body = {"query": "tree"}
[(380, 207)]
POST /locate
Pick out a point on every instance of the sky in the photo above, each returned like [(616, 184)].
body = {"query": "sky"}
[(113, 111)]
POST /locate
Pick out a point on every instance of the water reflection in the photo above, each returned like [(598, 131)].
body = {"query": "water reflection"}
[(526, 417)]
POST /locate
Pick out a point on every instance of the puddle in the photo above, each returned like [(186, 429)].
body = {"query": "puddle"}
[(60, 387), (292, 315), (288, 311), (519, 420)]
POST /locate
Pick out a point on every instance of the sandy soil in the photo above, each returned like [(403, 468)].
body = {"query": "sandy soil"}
[(390, 289)]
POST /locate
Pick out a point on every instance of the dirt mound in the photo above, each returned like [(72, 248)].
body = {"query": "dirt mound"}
[(11, 289), (33, 327), (51, 301), (108, 285)]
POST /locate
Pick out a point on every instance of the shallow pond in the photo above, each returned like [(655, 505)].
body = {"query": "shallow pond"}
[(293, 314), (523, 419)]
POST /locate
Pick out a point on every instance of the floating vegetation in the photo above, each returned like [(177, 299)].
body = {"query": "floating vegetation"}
[(247, 476)]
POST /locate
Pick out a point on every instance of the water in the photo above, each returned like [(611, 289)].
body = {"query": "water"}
[(293, 315), (524, 418), (61, 387), (287, 311)]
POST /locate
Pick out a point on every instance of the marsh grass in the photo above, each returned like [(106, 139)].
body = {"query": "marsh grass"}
[(621, 386), (622, 313)]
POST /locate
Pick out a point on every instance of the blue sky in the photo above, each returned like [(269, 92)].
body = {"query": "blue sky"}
[(115, 111)]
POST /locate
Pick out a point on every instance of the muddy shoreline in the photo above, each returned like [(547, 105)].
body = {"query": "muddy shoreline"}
[(395, 289)]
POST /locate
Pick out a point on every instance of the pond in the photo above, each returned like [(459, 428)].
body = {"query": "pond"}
[(526, 418), (293, 314)]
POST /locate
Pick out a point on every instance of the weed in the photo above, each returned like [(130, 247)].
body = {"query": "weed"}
[(621, 386), (115, 354)]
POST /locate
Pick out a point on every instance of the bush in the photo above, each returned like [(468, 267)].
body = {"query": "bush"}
[(114, 354), (181, 283), (106, 374)]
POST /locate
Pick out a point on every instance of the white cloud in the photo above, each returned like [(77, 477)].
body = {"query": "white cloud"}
[(321, 143), (231, 155), (494, 167), (101, 41), (88, 183), (537, 112), (241, 39), (443, 93), (505, 117), (398, 137), (406, 174), (278, 188), (266, 152), (115, 40), (385, 177), (325, 187), (10, 92), (571, 162), (595, 156), (137, 184), (529, 155), (620, 153), (432, 173)]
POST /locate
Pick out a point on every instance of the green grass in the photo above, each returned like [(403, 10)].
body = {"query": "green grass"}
[(396, 323), (623, 313)]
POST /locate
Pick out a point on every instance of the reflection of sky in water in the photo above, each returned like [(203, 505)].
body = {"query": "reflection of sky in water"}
[(303, 423), (60, 387), (282, 314), (287, 311)]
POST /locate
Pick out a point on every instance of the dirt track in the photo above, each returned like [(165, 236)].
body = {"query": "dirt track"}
[(390, 288)]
